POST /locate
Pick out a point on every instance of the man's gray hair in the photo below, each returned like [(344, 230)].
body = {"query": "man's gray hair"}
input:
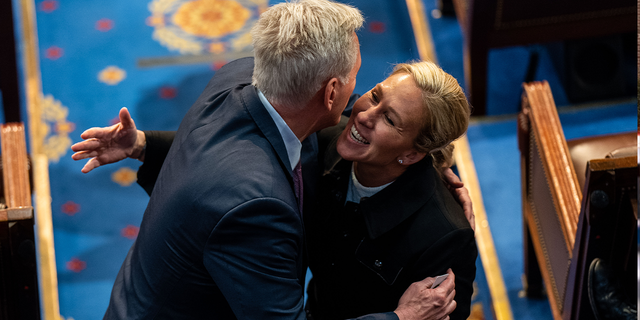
[(299, 45)]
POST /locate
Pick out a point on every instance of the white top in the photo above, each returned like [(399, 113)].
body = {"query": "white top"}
[(357, 191)]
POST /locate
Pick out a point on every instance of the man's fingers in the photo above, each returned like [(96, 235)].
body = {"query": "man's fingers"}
[(86, 145), (77, 147), (452, 178), (450, 280), (92, 133), (451, 307), (467, 206), (449, 283), (84, 155), (99, 133), (451, 295), (448, 304), (79, 154), (90, 165), (452, 276), (125, 119), (425, 283)]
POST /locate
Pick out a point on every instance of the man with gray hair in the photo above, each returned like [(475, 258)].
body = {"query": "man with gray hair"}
[(222, 236)]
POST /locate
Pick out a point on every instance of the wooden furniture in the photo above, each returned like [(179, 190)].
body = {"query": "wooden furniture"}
[(9, 81), (20, 15), (488, 24), (18, 268), (568, 223)]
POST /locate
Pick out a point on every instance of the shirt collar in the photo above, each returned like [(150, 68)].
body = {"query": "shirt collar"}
[(291, 142)]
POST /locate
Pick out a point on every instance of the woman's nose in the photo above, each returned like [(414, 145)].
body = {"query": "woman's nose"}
[(366, 117)]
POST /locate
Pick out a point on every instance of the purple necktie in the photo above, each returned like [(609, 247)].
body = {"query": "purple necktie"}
[(297, 184)]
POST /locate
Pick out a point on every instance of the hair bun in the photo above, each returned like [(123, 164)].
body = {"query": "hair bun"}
[(443, 157)]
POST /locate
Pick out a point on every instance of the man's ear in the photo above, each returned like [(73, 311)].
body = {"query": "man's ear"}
[(330, 93), (412, 156)]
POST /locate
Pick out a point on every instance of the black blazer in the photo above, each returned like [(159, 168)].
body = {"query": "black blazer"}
[(363, 257)]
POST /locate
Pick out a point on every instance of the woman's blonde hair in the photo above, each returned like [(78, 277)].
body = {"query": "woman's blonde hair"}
[(299, 45), (446, 110)]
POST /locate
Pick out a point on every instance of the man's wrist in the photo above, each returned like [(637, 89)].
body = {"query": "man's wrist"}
[(402, 315), (140, 146)]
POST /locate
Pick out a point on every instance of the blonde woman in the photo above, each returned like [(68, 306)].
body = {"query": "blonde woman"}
[(383, 217)]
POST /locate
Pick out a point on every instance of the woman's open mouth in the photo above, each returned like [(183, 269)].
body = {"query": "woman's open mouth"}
[(356, 136)]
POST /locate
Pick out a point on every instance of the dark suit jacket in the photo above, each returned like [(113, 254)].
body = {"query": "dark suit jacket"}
[(364, 256), (222, 237)]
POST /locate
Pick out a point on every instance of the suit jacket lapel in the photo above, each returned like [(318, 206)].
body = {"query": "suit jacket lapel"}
[(265, 123)]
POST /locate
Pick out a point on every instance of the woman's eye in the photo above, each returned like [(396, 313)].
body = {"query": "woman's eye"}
[(374, 96), (388, 119)]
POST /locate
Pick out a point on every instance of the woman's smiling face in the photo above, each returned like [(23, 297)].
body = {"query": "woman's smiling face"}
[(384, 123)]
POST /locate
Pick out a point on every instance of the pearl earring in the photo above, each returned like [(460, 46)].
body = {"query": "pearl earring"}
[(400, 161)]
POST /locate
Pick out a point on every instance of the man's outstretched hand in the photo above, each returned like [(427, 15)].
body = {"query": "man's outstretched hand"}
[(110, 144), (420, 302)]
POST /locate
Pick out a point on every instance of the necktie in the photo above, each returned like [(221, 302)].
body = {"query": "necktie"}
[(297, 184)]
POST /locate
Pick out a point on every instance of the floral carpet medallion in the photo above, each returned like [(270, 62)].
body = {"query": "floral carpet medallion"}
[(204, 26), (57, 141)]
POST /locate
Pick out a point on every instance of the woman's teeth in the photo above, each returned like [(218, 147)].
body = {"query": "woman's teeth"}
[(356, 136)]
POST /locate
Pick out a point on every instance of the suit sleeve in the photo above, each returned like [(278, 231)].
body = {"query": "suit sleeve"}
[(456, 250), (253, 256), (158, 144)]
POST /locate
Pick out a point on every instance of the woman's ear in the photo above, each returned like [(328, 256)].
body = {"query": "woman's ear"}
[(412, 156)]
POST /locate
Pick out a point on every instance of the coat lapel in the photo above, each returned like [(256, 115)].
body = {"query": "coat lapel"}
[(392, 205), (397, 202), (265, 123)]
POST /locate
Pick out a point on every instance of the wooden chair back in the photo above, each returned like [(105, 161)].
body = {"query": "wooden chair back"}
[(19, 298), (559, 234)]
